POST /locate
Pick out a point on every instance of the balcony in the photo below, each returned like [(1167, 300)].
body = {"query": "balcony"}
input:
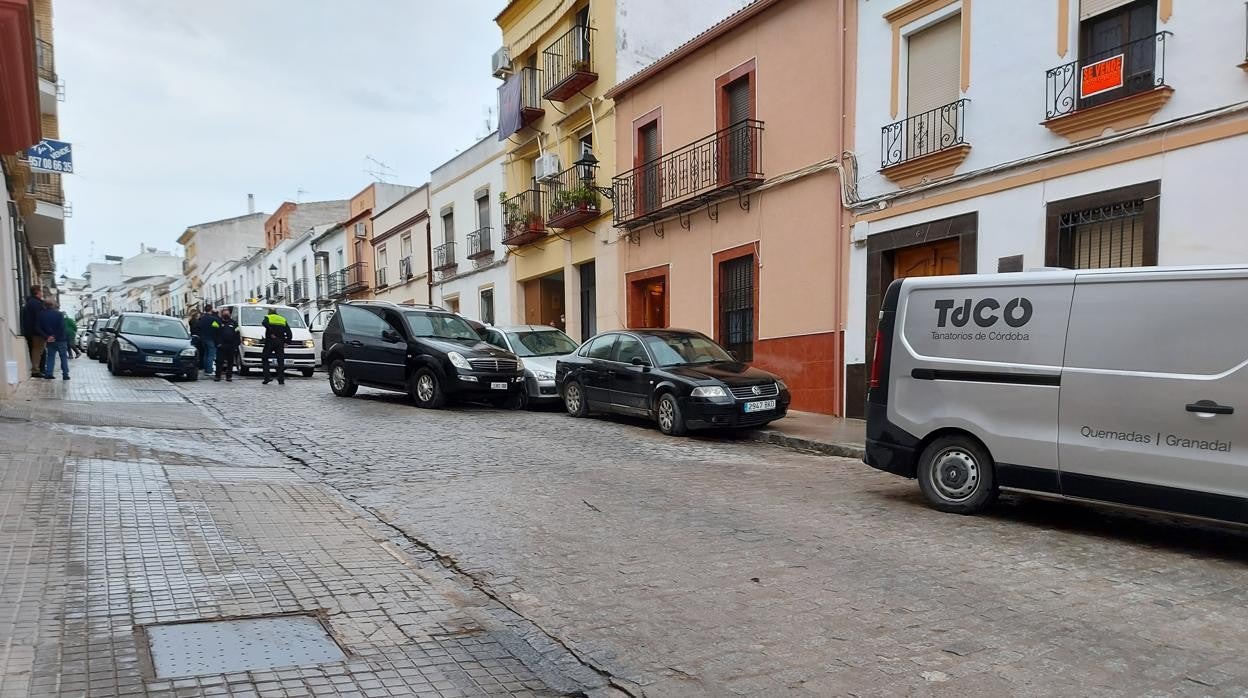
[(46, 188), (301, 291), (727, 161), (405, 269), (45, 60), (925, 146), (444, 257), (571, 198), (277, 292), (1116, 89), (479, 245), (525, 221), (354, 278), (380, 278), (567, 65)]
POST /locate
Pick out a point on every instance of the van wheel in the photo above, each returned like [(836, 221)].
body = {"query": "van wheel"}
[(243, 370), (426, 390), (956, 475), (338, 380), (307, 372)]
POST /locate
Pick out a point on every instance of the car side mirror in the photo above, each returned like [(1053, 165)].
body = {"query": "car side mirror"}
[(735, 356), (391, 336), (639, 361)]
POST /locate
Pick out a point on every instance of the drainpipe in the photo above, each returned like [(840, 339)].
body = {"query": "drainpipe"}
[(429, 256)]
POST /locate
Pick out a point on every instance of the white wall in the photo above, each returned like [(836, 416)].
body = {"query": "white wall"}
[(227, 239), (456, 184), (12, 346), (1013, 44), (105, 274), (647, 30), (151, 264)]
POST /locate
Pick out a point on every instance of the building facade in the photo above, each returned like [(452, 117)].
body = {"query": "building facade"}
[(292, 218), (359, 274), (470, 269), (557, 61), (400, 249), (725, 161), (1108, 134), (220, 241)]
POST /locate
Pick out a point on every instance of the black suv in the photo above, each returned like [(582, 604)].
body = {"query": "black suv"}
[(426, 351)]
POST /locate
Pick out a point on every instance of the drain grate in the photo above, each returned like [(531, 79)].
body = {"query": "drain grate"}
[(221, 647)]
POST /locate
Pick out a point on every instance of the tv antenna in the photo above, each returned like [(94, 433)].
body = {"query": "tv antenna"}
[(378, 169), (299, 194)]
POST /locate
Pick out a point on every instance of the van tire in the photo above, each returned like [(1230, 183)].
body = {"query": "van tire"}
[(967, 484), (243, 369), (307, 372)]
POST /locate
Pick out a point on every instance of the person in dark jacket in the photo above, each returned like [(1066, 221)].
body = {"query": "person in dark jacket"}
[(227, 346), (51, 324), (276, 334), (209, 325), (34, 340)]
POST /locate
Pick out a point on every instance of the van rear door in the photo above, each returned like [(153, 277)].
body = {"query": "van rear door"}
[(1154, 396)]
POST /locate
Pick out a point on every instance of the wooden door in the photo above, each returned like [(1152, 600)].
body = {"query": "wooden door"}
[(933, 259)]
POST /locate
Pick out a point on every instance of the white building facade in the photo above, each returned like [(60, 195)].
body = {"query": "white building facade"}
[(1103, 134), (471, 275)]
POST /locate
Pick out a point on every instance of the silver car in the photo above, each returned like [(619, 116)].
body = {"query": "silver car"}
[(540, 347)]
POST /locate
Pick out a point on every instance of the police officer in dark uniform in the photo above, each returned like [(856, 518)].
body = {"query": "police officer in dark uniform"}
[(276, 334)]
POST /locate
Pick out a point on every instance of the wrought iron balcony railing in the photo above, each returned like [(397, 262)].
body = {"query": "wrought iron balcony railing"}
[(568, 65), (530, 96), (323, 286), (525, 219), (688, 177), (381, 277), (46, 60), (301, 291), (571, 198), (1135, 67), (354, 277), (405, 268), (923, 134), (444, 257), (46, 187), (479, 244)]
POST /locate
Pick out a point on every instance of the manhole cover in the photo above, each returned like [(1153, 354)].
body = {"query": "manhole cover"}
[(221, 647)]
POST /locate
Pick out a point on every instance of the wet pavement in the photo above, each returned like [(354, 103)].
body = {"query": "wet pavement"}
[(472, 550)]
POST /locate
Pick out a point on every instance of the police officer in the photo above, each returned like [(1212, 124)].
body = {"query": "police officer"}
[(276, 334), (227, 346)]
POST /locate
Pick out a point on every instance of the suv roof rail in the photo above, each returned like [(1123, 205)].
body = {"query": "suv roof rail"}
[(392, 304)]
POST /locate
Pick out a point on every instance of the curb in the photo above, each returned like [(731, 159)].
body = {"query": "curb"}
[(778, 438)]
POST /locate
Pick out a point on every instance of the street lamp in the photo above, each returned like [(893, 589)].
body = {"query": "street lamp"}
[(587, 167), (273, 272)]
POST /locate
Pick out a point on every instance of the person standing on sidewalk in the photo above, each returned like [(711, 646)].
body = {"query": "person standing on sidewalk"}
[(71, 335), (209, 324), (276, 334), (34, 340), (227, 346), (51, 325)]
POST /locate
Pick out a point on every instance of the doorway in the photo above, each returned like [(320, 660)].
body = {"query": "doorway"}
[(543, 301), (648, 301), (933, 259)]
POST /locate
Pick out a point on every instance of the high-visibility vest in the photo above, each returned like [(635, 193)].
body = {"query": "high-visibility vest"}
[(275, 319)]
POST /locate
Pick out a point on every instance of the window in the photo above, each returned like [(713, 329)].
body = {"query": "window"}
[(649, 148), (452, 303), (381, 257), (303, 268), (359, 321), (932, 72), (338, 255), (487, 306), (448, 226), (1117, 228), (627, 349), (735, 107), (253, 316), (360, 230), (1109, 28), (736, 306), (585, 144), (600, 348), (483, 209)]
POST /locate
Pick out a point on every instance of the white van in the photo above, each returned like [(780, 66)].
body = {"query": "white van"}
[(1124, 386), (300, 354)]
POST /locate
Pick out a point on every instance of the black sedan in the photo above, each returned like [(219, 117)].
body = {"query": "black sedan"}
[(681, 379), (152, 344), (93, 336)]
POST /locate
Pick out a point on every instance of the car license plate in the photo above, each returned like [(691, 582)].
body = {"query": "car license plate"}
[(760, 406), (160, 359), (498, 386)]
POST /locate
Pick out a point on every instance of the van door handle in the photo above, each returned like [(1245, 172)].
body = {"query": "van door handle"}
[(1210, 407)]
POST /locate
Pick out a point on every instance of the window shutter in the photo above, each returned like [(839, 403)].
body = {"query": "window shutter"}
[(483, 212), (1091, 8), (738, 100), (448, 227), (650, 143), (935, 56)]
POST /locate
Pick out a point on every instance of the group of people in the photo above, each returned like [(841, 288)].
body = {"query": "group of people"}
[(49, 333), (217, 337)]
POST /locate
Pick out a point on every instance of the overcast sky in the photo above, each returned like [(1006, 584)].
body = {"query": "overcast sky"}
[(178, 109)]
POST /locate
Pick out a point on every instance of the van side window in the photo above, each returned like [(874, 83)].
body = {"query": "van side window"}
[(1157, 327)]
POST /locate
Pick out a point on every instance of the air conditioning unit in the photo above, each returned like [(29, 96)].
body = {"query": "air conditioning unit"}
[(546, 167), (501, 63), (360, 230)]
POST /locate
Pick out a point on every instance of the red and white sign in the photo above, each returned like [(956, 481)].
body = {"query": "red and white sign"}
[(1101, 76)]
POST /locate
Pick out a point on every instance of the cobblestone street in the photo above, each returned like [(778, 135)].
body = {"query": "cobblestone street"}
[(476, 550)]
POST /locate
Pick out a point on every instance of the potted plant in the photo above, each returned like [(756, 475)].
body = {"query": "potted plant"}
[(581, 65), (518, 221), (581, 198)]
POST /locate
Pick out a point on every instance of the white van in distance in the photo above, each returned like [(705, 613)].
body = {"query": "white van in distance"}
[(300, 354), (1122, 386)]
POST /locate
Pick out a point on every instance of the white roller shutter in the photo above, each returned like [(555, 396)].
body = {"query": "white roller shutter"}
[(934, 66), (1092, 8)]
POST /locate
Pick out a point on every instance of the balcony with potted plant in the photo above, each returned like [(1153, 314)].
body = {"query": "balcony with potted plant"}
[(523, 218)]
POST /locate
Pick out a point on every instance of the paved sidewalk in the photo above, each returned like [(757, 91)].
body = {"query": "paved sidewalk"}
[(818, 433), (124, 507)]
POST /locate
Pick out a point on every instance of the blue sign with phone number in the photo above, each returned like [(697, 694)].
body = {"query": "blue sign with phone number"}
[(51, 156)]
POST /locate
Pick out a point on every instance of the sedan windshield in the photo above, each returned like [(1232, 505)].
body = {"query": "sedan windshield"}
[(154, 327), (683, 350), (541, 343), (441, 326), (253, 316)]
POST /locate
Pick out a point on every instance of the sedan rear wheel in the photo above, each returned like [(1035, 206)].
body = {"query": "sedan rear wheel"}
[(574, 399)]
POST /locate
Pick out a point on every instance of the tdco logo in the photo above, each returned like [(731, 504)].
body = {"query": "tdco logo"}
[(1016, 313)]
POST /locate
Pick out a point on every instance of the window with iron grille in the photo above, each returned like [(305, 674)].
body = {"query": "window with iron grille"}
[(1117, 228), (736, 306)]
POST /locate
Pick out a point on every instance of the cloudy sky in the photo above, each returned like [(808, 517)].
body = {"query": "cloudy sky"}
[(178, 109)]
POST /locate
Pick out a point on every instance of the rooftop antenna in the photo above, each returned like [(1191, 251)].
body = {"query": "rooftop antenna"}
[(299, 194), (489, 121), (380, 171)]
